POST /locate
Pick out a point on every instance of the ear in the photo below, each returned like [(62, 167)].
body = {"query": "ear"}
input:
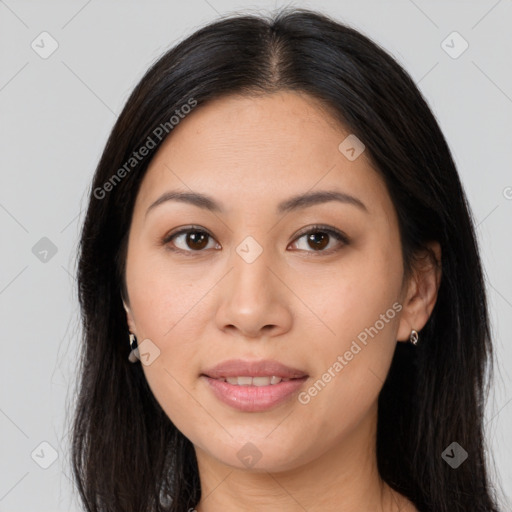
[(129, 318), (421, 291)]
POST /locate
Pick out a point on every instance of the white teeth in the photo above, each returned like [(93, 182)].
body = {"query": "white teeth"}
[(244, 381), (262, 381), (254, 381)]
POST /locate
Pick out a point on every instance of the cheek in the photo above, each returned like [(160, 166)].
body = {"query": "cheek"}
[(352, 295), (162, 293), (167, 306), (169, 312), (356, 339), (350, 370)]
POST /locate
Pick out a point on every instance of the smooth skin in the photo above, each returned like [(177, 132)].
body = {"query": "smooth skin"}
[(297, 303)]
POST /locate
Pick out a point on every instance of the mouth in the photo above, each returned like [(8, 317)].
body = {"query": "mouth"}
[(254, 393), (253, 385)]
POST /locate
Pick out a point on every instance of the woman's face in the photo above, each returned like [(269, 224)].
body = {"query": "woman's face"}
[(248, 282)]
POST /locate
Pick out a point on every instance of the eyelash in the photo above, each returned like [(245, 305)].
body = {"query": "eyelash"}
[(338, 235)]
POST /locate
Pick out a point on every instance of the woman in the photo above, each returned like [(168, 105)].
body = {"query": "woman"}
[(282, 295)]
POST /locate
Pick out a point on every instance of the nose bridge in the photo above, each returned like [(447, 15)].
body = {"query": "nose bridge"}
[(251, 273), (253, 296)]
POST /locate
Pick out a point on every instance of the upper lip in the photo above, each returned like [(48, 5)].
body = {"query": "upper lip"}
[(261, 368)]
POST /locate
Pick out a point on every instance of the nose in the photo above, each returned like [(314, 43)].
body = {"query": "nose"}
[(254, 302)]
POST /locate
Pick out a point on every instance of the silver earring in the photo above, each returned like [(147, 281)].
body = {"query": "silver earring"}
[(134, 354), (413, 338)]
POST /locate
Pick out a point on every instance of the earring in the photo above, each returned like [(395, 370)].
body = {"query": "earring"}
[(413, 338), (134, 354)]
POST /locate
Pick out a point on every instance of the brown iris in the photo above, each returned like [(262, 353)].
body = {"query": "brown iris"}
[(197, 239), (319, 238)]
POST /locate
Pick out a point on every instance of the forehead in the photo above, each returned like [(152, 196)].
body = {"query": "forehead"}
[(249, 150)]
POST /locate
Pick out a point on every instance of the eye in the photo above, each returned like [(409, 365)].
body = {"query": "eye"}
[(192, 239), (317, 237)]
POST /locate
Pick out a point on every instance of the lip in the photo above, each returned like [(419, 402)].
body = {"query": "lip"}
[(261, 368), (254, 398)]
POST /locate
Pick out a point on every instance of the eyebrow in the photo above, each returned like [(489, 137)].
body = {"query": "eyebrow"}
[(297, 202)]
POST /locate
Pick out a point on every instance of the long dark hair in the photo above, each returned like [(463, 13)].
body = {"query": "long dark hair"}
[(126, 453)]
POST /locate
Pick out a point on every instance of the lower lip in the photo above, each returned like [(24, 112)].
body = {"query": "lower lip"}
[(254, 398)]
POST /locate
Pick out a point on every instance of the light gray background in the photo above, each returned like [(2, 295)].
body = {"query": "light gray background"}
[(56, 114)]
